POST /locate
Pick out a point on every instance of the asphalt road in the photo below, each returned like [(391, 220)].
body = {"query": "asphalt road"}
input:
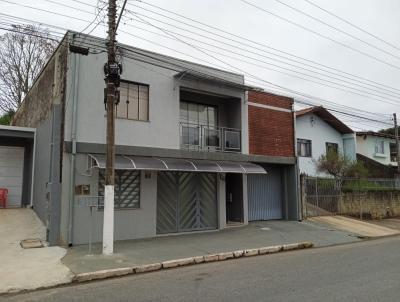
[(366, 271)]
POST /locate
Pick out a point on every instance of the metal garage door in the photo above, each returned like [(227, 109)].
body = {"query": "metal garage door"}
[(11, 172), (265, 195), (186, 202)]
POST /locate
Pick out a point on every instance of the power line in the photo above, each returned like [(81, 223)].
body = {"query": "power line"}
[(268, 63), (337, 29), (215, 29), (353, 25), (321, 35)]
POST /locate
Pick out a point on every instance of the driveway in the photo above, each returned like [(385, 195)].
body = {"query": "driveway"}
[(27, 268)]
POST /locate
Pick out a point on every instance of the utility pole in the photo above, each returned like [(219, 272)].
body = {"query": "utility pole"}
[(396, 134), (112, 72)]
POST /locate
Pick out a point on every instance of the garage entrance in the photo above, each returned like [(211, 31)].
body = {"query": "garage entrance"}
[(11, 174), (265, 195), (186, 202)]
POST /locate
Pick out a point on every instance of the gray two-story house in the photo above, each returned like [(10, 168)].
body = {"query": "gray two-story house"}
[(181, 142)]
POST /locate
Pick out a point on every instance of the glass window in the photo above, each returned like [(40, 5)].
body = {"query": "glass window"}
[(304, 147), (380, 146), (134, 102), (332, 147)]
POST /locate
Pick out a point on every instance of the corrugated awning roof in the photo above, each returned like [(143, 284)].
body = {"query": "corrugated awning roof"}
[(189, 74), (175, 164)]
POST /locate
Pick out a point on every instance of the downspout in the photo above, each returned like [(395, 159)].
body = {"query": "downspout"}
[(73, 151), (298, 184)]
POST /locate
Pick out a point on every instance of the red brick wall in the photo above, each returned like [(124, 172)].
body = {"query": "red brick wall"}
[(271, 132)]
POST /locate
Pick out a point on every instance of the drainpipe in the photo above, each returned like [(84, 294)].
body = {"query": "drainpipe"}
[(73, 151), (297, 171)]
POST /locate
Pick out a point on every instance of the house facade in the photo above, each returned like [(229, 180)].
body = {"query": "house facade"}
[(378, 147), (317, 132), (184, 157)]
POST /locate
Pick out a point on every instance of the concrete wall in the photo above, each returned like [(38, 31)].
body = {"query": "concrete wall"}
[(319, 132), (129, 224), (162, 129), (366, 147), (371, 204)]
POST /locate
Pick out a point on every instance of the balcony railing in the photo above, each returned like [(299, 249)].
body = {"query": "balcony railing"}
[(206, 138)]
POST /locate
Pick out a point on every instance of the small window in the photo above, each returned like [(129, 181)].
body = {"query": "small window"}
[(380, 147), (304, 147), (133, 102), (126, 189), (332, 147), (393, 152)]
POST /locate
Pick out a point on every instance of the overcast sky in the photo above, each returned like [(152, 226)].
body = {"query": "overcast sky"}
[(379, 17)]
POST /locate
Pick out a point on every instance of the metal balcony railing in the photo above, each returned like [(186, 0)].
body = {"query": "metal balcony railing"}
[(206, 138)]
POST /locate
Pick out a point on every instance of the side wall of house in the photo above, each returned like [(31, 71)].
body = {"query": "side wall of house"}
[(311, 127), (42, 109), (271, 131), (366, 147)]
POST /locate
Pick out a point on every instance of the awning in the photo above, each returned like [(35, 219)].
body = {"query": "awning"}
[(175, 164)]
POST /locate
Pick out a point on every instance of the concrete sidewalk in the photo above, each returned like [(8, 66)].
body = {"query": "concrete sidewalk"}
[(20, 268), (131, 253)]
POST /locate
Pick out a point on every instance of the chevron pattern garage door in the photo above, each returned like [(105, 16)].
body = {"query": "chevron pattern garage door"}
[(186, 202)]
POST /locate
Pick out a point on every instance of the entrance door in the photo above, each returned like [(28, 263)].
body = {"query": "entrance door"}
[(186, 202), (234, 197), (11, 173), (265, 195)]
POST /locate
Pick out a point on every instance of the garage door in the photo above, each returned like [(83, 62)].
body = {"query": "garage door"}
[(265, 195), (11, 172), (186, 202)]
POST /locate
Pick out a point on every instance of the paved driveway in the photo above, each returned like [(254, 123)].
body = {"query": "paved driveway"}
[(27, 268)]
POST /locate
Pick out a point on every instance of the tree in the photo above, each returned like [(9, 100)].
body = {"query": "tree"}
[(5, 119), (387, 131), (339, 166), (24, 51)]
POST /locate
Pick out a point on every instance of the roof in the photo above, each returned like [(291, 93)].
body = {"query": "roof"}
[(328, 117), (372, 133)]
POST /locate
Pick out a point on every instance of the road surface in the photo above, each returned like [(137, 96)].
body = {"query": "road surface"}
[(365, 271)]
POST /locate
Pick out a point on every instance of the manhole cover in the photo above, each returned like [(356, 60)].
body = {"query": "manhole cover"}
[(31, 243)]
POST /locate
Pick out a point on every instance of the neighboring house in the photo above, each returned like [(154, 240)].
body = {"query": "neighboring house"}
[(190, 156), (317, 132), (379, 147)]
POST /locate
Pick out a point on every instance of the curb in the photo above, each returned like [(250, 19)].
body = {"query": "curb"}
[(118, 272)]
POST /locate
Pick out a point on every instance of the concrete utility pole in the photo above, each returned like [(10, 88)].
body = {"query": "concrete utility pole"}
[(112, 78), (396, 134)]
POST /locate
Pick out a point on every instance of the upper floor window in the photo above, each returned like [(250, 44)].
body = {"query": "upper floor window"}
[(332, 147), (304, 147), (393, 152), (133, 102), (380, 146)]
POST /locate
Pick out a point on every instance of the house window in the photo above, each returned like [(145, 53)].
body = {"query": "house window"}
[(199, 124), (393, 152), (133, 102), (332, 147), (303, 147), (380, 147), (126, 189)]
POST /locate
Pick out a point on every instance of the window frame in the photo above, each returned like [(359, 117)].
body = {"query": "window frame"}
[(379, 143), (304, 141), (148, 102)]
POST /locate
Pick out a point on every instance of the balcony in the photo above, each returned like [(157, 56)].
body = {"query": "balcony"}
[(212, 139)]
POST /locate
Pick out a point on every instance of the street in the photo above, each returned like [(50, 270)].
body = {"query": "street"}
[(363, 271)]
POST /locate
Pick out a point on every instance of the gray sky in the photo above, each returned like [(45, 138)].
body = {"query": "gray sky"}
[(379, 17)]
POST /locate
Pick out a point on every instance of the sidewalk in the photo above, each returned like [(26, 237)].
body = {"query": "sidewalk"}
[(131, 253), (27, 268)]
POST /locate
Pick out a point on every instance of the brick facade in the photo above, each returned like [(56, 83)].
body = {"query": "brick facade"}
[(271, 132)]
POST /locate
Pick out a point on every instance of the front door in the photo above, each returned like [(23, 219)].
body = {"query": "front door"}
[(234, 198), (186, 202)]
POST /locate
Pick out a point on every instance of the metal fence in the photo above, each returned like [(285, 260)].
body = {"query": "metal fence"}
[(322, 196)]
